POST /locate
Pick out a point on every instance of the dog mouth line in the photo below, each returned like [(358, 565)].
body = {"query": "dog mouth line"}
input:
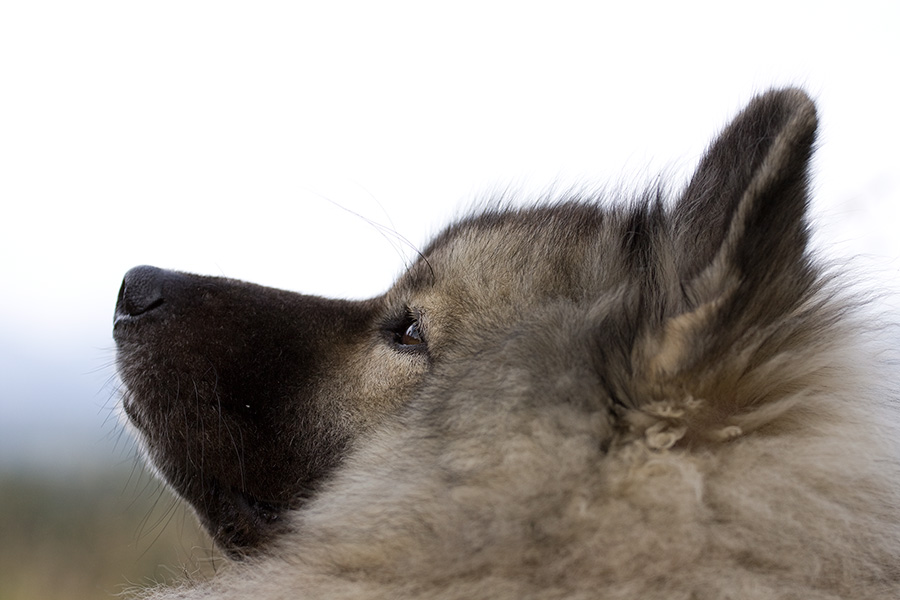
[(239, 521), (266, 511)]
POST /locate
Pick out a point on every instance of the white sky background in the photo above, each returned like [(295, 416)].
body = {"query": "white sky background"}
[(214, 136)]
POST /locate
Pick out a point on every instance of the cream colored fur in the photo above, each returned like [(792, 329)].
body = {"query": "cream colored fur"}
[(806, 507)]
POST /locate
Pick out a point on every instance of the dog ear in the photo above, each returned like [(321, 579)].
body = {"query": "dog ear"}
[(739, 237), (741, 220), (739, 276)]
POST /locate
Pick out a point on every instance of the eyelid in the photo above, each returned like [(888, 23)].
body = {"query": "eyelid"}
[(413, 318), (417, 316), (413, 335)]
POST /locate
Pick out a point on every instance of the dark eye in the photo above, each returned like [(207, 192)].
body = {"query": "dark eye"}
[(412, 336), (406, 332)]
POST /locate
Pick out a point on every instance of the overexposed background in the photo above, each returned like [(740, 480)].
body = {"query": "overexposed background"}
[(238, 138)]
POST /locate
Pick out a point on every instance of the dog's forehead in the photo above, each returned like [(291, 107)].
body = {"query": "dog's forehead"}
[(536, 251)]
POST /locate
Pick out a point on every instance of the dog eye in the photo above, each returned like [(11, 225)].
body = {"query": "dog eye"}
[(412, 336)]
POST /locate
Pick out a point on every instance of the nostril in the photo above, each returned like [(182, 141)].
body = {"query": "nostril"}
[(141, 291)]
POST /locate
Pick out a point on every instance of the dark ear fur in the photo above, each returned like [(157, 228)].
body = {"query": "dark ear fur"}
[(741, 220), (742, 275)]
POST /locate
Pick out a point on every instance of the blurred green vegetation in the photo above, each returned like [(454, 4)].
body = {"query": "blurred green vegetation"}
[(94, 535)]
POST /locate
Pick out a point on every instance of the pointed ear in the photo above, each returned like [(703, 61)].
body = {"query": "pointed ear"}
[(740, 279), (741, 220), (739, 236)]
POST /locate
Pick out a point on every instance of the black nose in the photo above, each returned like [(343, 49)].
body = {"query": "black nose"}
[(145, 289)]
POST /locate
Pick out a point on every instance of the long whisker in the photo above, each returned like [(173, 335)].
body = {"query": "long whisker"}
[(389, 233)]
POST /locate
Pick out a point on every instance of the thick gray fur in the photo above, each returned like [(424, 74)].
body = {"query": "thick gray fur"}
[(660, 399)]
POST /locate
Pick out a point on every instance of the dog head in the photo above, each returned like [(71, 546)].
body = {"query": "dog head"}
[(247, 399)]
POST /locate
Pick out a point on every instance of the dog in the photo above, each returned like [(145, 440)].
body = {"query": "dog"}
[(656, 397)]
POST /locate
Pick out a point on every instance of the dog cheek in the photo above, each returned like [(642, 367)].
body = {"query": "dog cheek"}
[(371, 381)]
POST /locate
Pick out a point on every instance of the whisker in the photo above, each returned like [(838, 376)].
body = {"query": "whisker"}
[(388, 233)]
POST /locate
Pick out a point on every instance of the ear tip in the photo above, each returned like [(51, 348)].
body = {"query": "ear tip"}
[(792, 102), (753, 177), (794, 94)]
